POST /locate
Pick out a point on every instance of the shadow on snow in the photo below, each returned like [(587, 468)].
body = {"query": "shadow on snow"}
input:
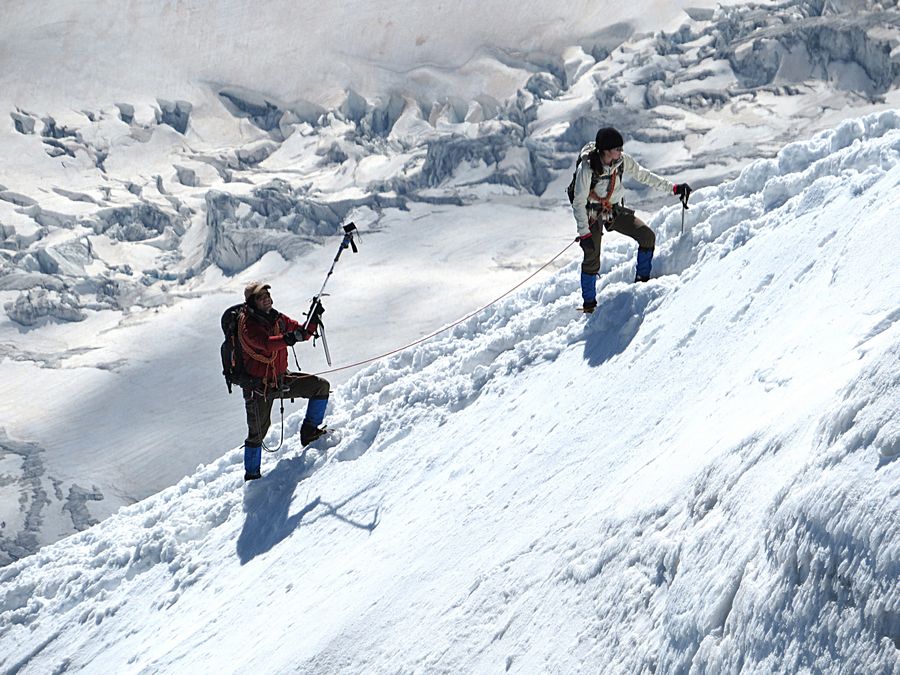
[(612, 327), (267, 503)]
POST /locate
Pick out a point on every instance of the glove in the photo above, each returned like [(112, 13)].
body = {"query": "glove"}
[(586, 242), (317, 312), (290, 339), (683, 190)]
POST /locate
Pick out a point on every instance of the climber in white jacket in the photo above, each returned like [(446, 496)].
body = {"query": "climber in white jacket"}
[(597, 202)]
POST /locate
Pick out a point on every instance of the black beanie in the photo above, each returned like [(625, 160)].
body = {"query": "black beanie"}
[(608, 138)]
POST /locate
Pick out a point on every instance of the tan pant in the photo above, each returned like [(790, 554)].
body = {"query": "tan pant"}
[(624, 222), (259, 407)]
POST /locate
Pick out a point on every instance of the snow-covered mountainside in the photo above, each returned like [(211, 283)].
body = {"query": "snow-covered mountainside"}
[(139, 195), (298, 51), (701, 476)]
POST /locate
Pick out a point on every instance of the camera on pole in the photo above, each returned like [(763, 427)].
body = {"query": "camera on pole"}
[(314, 315)]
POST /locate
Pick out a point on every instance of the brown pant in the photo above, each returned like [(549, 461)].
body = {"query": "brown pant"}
[(624, 222), (259, 407)]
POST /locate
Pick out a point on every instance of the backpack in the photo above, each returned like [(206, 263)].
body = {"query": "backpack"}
[(570, 190), (232, 354)]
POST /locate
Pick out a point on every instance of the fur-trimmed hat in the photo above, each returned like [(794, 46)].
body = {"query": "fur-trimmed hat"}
[(608, 138), (254, 288)]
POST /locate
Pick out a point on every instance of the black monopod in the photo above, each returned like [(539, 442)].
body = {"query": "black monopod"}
[(315, 309)]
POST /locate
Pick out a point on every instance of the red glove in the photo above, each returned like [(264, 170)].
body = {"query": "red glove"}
[(683, 190)]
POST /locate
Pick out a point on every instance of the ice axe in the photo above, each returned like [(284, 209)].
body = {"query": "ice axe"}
[(684, 206), (315, 308)]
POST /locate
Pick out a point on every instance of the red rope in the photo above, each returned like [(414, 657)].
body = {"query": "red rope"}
[(452, 325)]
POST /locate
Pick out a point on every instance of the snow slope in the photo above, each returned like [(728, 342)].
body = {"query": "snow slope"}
[(158, 158), (700, 476)]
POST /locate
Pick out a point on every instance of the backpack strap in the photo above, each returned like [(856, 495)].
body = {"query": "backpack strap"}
[(267, 361)]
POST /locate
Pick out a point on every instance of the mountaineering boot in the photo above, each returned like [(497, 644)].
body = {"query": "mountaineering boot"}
[(315, 413), (252, 462), (310, 432), (589, 306), (644, 264)]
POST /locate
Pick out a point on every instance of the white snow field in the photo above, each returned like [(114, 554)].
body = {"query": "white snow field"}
[(89, 51), (158, 156), (700, 477)]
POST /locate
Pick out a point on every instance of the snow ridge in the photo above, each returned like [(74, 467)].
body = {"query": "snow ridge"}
[(536, 323)]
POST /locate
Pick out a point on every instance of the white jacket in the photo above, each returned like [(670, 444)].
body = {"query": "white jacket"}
[(583, 184)]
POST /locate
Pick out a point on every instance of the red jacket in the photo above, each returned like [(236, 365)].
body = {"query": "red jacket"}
[(262, 341)]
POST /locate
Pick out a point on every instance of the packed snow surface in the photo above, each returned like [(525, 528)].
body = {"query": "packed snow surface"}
[(159, 157), (700, 476)]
